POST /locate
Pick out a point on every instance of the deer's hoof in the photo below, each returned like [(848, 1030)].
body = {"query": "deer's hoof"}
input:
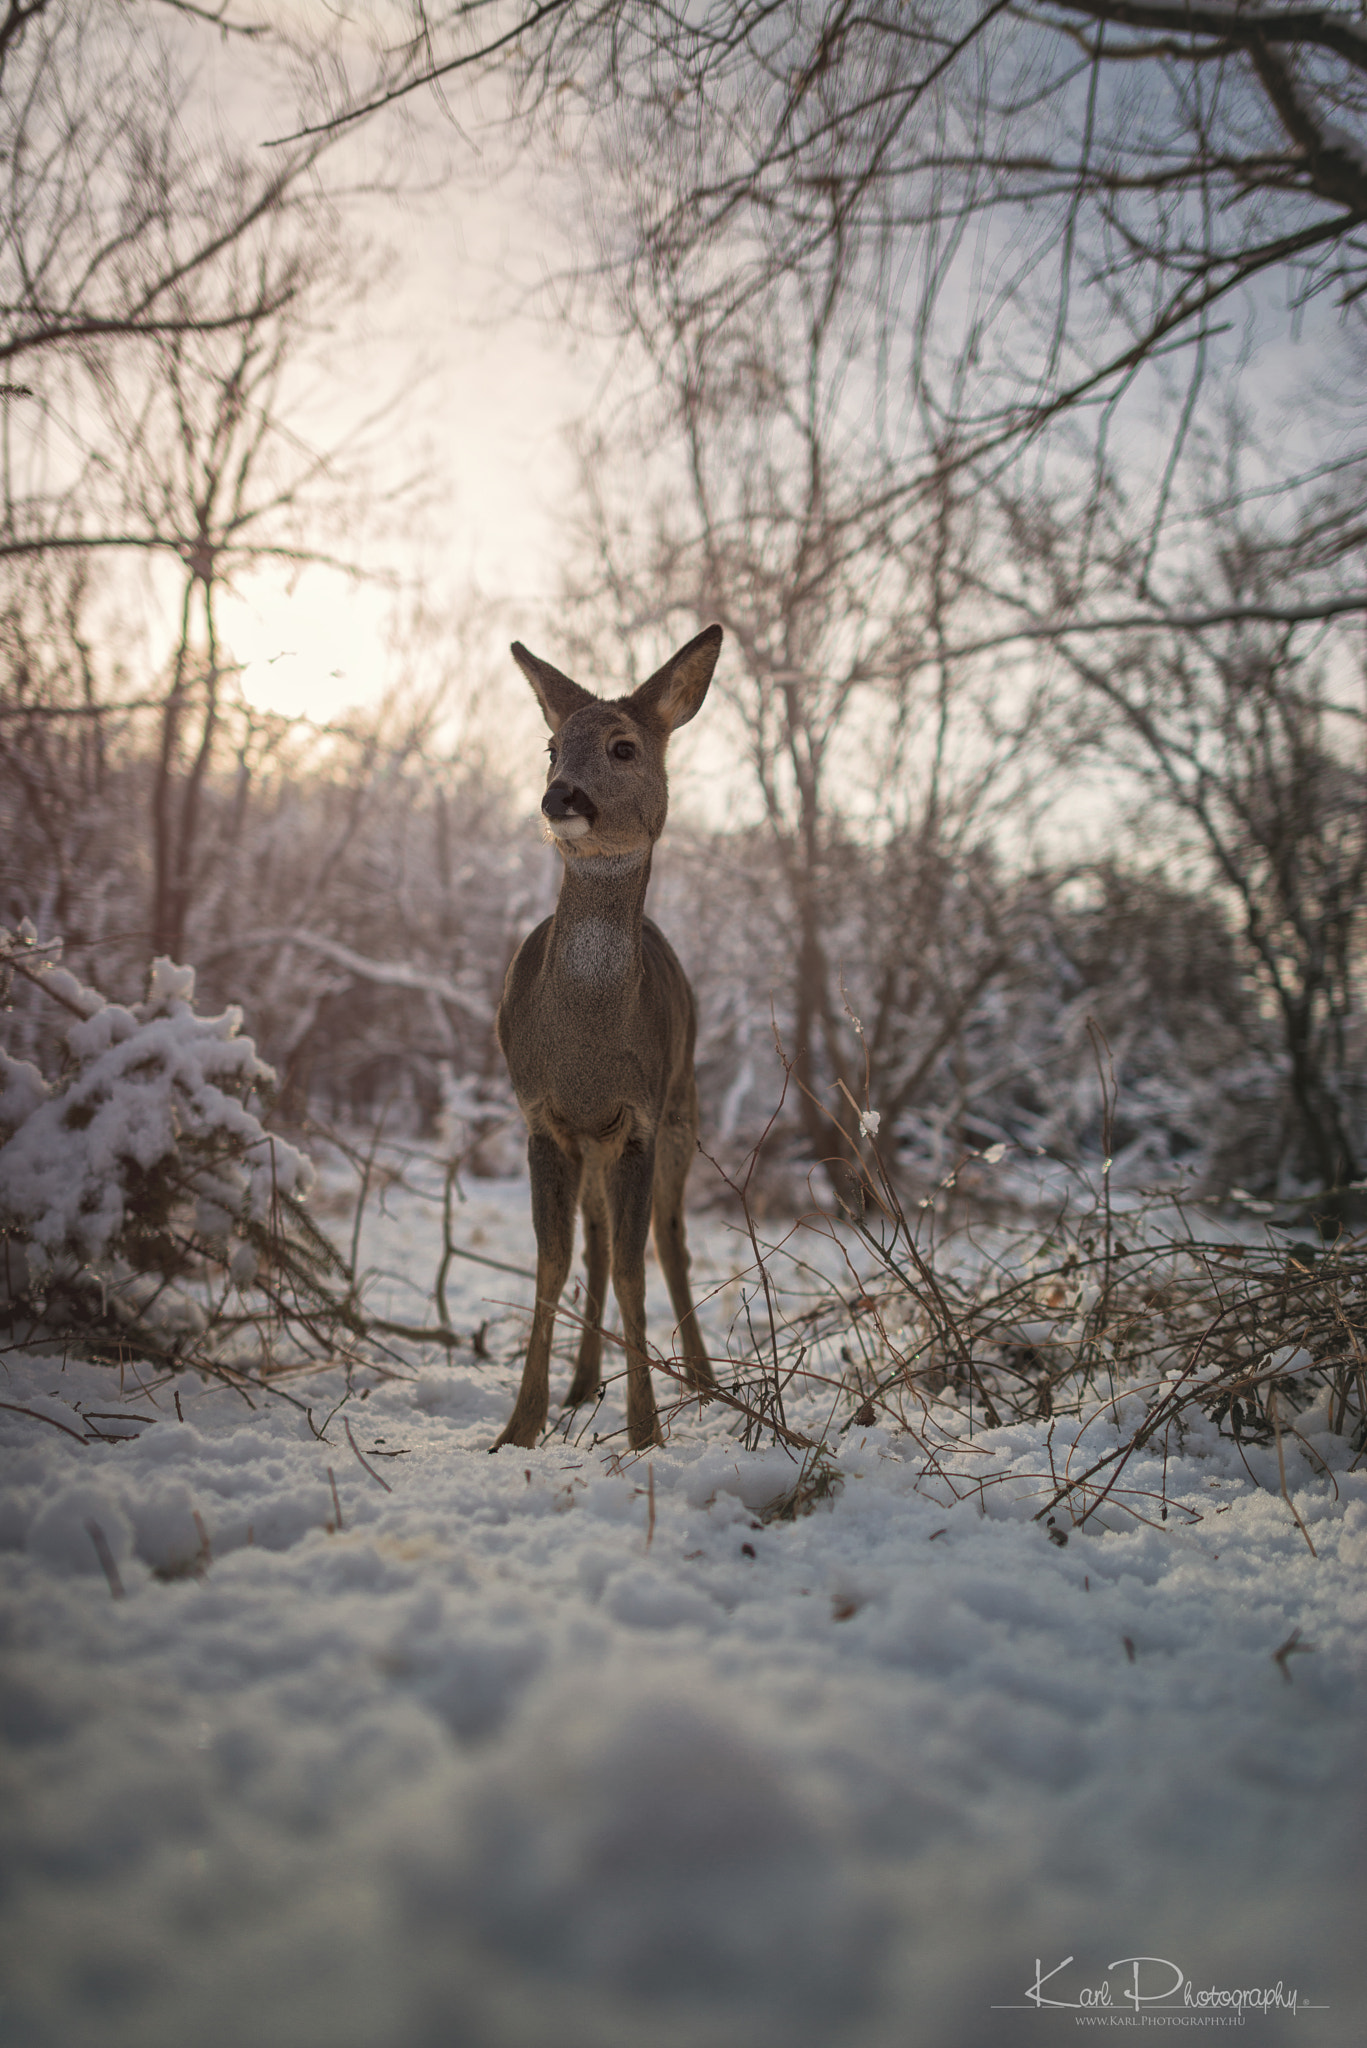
[(519, 1435)]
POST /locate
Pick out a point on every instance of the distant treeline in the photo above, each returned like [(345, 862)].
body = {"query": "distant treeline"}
[(360, 898)]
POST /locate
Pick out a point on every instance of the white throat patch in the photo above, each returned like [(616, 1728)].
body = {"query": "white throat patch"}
[(597, 867), (594, 949)]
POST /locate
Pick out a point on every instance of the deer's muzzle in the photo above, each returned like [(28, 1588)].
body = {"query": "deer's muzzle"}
[(562, 800)]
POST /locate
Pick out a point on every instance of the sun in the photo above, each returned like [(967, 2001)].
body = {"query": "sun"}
[(312, 652)]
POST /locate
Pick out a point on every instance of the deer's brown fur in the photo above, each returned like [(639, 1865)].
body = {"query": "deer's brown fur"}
[(597, 1026)]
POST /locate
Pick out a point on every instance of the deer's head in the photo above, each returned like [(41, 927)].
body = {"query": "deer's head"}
[(606, 791)]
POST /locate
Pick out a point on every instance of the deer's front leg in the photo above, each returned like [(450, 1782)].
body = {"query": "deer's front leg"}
[(555, 1192), (629, 1187), (597, 1231)]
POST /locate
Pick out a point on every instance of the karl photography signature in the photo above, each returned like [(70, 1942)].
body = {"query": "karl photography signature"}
[(1151, 1990)]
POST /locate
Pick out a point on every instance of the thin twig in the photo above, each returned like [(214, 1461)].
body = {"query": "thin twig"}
[(1292, 1647), (346, 1424), (16, 1409)]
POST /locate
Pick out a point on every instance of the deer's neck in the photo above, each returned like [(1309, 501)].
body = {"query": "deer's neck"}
[(596, 937)]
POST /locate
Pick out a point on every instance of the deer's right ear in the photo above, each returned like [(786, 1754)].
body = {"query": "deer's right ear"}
[(556, 694)]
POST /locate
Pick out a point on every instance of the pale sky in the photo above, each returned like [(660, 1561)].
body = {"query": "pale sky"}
[(500, 388)]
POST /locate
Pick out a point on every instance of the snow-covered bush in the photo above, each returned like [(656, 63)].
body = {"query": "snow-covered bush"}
[(143, 1159)]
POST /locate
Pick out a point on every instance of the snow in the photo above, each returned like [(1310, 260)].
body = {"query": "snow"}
[(569, 1747), (152, 1087)]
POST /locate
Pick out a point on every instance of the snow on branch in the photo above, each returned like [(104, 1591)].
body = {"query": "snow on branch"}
[(149, 1127), (383, 973)]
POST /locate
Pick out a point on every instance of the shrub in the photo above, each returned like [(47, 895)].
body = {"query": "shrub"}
[(141, 1164)]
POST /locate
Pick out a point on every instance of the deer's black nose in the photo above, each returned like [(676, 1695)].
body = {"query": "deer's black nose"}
[(563, 800)]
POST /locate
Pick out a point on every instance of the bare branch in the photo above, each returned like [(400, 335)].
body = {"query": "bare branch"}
[(1234, 27), (1174, 622), (427, 74), (218, 17)]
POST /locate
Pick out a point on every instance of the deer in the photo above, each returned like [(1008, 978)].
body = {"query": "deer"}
[(597, 1024)]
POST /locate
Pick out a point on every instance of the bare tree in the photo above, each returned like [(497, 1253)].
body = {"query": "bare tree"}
[(217, 475), (111, 224), (863, 749), (1121, 173), (64, 753), (1250, 732), (1050, 224), (361, 886), (170, 300), (213, 478)]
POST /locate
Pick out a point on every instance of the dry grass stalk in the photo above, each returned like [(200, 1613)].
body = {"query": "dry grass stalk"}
[(1123, 1319), (106, 1557)]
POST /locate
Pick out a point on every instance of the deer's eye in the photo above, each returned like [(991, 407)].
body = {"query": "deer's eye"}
[(624, 751), (550, 749)]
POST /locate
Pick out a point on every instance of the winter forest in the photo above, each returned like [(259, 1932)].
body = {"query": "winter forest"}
[(995, 375)]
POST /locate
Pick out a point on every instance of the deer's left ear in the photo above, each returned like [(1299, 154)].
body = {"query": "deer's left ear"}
[(674, 694)]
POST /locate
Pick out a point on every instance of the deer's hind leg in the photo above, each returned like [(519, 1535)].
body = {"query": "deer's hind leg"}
[(628, 1181), (555, 1192), (675, 1145), (593, 1203)]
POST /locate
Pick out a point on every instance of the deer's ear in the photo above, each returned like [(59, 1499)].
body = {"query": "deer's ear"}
[(675, 692), (558, 697)]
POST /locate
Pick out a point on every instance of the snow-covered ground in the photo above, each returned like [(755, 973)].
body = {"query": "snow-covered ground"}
[(572, 1750)]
